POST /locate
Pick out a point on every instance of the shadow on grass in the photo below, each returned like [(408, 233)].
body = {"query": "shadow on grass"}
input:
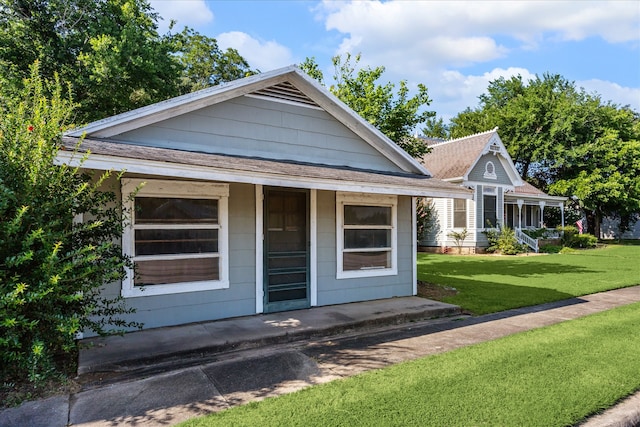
[(514, 267), (481, 297)]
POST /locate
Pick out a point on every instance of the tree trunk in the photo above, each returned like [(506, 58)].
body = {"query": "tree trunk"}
[(591, 221)]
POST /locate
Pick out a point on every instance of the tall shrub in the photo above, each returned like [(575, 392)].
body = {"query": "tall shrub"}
[(51, 267)]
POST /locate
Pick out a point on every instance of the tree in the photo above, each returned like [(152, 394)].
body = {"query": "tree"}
[(394, 114), (52, 268), (604, 170), (110, 51), (204, 64)]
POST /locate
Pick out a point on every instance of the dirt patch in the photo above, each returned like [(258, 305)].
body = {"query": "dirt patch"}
[(435, 292)]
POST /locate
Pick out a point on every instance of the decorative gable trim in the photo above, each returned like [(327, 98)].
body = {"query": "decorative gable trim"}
[(496, 147)]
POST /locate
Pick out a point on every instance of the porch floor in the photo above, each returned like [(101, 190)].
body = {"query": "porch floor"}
[(196, 343)]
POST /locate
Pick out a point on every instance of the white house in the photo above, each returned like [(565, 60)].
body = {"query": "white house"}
[(481, 163)]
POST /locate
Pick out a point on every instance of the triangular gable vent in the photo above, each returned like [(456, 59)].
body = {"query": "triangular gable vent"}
[(285, 91)]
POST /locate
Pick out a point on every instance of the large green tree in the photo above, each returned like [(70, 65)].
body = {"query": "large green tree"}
[(563, 140), (204, 64), (395, 114), (110, 51)]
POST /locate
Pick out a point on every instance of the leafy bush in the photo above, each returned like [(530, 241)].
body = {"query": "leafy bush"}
[(550, 249), (572, 239), (584, 241), (538, 233), (51, 267), (504, 241), (567, 234)]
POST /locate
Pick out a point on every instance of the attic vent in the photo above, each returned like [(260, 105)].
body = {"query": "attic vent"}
[(494, 148), (287, 92)]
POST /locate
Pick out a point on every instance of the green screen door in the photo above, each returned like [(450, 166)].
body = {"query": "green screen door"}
[(286, 249)]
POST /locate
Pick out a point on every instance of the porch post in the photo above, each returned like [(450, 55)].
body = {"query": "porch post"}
[(562, 214), (520, 203), (542, 203)]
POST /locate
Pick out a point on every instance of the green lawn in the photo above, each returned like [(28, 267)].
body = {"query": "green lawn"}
[(488, 284), (553, 376)]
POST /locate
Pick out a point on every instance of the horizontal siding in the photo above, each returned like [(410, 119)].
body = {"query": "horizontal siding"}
[(262, 128), (334, 291), (238, 300), (477, 173)]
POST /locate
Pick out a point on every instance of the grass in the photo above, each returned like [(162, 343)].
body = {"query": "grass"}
[(552, 376), (487, 284)]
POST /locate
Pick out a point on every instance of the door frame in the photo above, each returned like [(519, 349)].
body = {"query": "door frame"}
[(259, 246)]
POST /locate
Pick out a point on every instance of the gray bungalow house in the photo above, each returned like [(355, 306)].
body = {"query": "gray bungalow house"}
[(260, 195), (500, 196)]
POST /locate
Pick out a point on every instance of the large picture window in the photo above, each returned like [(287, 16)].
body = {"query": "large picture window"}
[(366, 234), (459, 213), (177, 238)]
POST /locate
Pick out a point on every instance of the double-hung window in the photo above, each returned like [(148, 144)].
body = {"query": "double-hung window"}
[(366, 230), (177, 237), (459, 213)]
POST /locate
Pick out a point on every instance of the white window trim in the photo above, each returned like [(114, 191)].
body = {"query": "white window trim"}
[(489, 191), (466, 214), (343, 198), (183, 190)]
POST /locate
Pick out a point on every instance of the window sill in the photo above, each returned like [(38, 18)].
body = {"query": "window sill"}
[(177, 288), (372, 272)]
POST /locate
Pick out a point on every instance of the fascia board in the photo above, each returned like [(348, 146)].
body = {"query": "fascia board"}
[(156, 168), (535, 197)]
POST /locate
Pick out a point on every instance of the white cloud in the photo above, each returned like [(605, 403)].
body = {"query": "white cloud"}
[(613, 92), (263, 55), (190, 13), (467, 32), (423, 41), (452, 92)]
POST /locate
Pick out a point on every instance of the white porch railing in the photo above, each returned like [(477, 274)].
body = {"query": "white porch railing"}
[(526, 240)]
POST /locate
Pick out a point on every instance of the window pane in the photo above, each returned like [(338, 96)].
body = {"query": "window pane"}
[(367, 215), (160, 210), (459, 213), (157, 242), (161, 272), (365, 260), (354, 239)]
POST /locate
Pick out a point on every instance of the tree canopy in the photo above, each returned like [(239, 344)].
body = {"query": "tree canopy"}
[(393, 113), (110, 51), (563, 140)]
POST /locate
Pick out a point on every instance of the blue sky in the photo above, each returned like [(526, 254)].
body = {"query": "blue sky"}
[(454, 48)]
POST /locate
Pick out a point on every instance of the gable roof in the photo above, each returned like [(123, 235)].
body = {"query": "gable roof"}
[(454, 159), (288, 84)]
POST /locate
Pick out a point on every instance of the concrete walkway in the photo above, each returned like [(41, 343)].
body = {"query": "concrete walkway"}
[(197, 369)]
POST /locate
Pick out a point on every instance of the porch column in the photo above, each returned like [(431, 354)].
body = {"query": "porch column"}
[(562, 214), (542, 203), (520, 203)]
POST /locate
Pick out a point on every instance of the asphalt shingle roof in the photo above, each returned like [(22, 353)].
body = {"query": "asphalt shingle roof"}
[(454, 158)]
